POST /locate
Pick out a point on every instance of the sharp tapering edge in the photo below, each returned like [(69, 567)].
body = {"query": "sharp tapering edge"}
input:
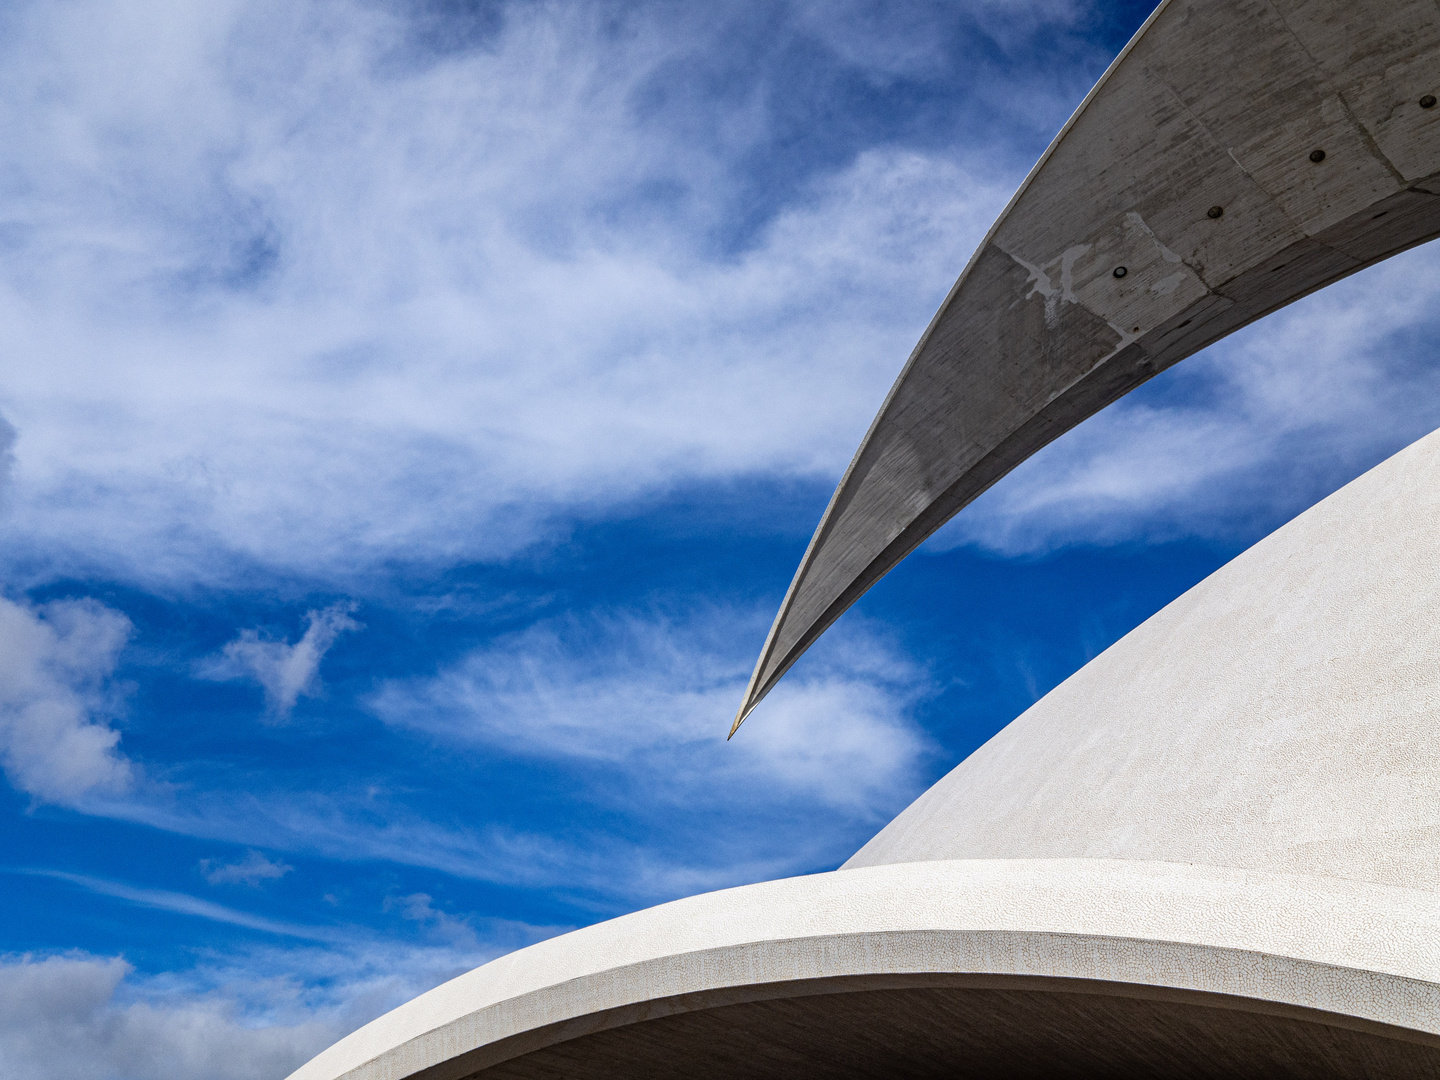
[(1180, 202)]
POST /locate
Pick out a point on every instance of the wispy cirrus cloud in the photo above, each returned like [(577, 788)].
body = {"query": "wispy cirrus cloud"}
[(446, 293), (417, 305), (607, 703), (652, 697), (251, 870), (285, 671), (184, 904)]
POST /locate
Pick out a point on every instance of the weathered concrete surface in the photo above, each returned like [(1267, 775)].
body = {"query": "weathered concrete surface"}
[(1214, 104), (1215, 851), (1282, 716), (1013, 1030)]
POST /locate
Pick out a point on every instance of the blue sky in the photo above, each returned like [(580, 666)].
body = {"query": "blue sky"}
[(412, 416)]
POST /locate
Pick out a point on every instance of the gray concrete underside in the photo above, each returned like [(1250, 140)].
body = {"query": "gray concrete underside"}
[(952, 1028), (1215, 105), (1152, 962)]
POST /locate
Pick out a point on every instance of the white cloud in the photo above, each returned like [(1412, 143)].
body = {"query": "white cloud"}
[(184, 904), (66, 1018), (255, 1012), (7, 459), (890, 40), (281, 295), (285, 671), (420, 908), (251, 870), (653, 698), (56, 702)]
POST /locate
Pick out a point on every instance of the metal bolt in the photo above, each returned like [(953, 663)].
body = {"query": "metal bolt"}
[(1428, 101), (1120, 271), (1214, 211), (1317, 156)]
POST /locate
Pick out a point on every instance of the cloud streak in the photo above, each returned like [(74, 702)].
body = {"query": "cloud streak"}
[(251, 870), (651, 696), (185, 904)]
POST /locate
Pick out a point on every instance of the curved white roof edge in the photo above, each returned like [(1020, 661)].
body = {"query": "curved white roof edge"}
[(1280, 716), (1266, 941), (1239, 802), (1239, 798)]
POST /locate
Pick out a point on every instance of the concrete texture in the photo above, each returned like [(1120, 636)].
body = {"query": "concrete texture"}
[(1210, 852), (964, 1032), (1280, 716), (1287, 947), (951, 1033), (1215, 105), (1215, 850)]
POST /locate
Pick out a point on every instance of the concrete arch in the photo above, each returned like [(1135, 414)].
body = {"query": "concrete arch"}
[(1215, 850), (1211, 852), (774, 979), (1183, 200)]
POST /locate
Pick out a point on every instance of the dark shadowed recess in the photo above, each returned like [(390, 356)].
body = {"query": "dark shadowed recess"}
[(1092, 1031)]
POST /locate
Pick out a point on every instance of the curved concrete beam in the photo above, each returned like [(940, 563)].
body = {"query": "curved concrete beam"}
[(1300, 951), (1236, 156), (1212, 852)]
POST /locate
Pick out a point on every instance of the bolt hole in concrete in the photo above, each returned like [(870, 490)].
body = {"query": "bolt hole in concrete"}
[(1214, 211), (1428, 101), (1120, 271), (1317, 156)]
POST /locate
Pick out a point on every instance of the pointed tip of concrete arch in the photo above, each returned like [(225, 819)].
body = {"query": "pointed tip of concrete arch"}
[(1110, 264), (747, 706)]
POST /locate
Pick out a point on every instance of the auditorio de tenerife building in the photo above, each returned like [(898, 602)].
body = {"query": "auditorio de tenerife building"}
[(1213, 851)]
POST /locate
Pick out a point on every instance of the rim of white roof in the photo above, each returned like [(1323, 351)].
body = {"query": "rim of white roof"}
[(1270, 942), (1151, 858), (1283, 715)]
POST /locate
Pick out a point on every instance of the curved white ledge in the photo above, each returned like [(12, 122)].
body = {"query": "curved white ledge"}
[(1367, 956)]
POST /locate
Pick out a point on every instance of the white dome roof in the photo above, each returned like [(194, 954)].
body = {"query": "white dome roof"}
[(1211, 852), (1283, 715)]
